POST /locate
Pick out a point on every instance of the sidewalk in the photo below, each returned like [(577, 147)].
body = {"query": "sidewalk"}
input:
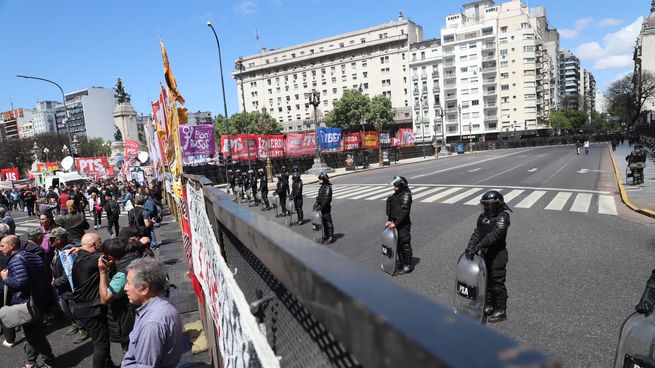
[(641, 196)]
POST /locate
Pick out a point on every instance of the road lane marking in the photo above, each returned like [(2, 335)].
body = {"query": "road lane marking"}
[(581, 203), (383, 195), (559, 201), (533, 170), (474, 170), (377, 191), (513, 194), (358, 192), (476, 199), (508, 170), (558, 170), (426, 193), (530, 200), (606, 205), (441, 195), (461, 196), (469, 164)]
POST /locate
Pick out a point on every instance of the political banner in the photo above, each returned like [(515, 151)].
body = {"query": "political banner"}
[(350, 141), (240, 341), (370, 139), (270, 146), (241, 149), (301, 144), (10, 174), (385, 138), (92, 164), (329, 139), (197, 141), (131, 150), (47, 166), (406, 137)]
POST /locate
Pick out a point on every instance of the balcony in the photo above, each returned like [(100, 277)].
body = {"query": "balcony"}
[(451, 110), (488, 57), (414, 77), (436, 90), (490, 92), (424, 76), (416, 91), (489, 70), (435, 73), (489, 45), (424, 91), (491, 117), (451, 97), (489, 81), (490, 105)]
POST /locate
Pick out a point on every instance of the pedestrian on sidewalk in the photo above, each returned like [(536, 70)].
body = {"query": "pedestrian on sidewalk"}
[(586, 147), (27, 279), (156, 340)]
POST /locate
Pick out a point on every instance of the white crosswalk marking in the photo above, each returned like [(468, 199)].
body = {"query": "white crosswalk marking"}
[(581, 203), (384, 194), (513, 194), (441, 195), (476, 200), (348, 195), (530, 200), (461, 196), (606, 205), (349, 190), (414, 190), (377, 191), (416, 196), (559, 201)]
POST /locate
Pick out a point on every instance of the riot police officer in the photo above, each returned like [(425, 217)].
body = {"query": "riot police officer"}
[(637, 162), (263, 188), (230, 180), (245, 184), (238, 179), (399, 206), (324, 204), (253, 185), (296, 195), (489, 237), (281, 191), (285, 174), (645, 305)]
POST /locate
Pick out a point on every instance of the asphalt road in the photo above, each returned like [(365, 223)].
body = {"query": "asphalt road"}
[(578, 258)]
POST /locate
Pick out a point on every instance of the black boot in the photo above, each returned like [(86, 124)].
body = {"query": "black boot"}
[(300, 216), (408, 265), (488, 310), (497, 316)]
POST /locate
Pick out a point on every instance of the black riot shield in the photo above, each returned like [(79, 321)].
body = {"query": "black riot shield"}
[(317, 226), (248, 195), (290, 207), (276, 205), (235, 193), (636, 343), (471, 288), (389, 250), (259, 197)]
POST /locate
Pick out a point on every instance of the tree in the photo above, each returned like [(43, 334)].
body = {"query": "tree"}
[(627, 96), (348, 111), (93, 147), (257, 123), (379, 112), (577, 118), (559, 121)]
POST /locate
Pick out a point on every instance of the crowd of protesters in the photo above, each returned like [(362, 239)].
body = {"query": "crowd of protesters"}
[(109, 290)]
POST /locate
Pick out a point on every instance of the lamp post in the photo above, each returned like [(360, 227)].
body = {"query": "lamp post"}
[(362, 123), (227, 123), (269, 164), (459, 119), (239, 65), (45, 152), (421, 121), (443, 130), (315, 100), (75, 144), (35, 150), (63, 97)]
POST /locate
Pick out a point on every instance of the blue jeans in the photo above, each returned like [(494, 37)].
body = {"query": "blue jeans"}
[(153, 239)]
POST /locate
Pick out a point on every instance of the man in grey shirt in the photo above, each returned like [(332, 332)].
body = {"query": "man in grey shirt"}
[(156, 340)]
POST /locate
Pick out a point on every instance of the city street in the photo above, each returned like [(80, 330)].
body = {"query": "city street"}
[(579, 258)]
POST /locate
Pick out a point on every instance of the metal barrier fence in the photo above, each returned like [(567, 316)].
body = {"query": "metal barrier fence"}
[(216, 173), (324, 310)]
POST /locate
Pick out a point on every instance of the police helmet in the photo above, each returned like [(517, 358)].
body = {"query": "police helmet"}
[(295, 168), (260, 172), (399, 181), (250, 172), (323, 176), (229, 171), (283, 168), (296, 175), (238, 171), (492, 202)]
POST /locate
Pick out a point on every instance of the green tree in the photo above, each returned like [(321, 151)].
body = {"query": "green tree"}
[(380, 113), (93, 147), (257, 122), (577, 118), (627, 96), (348, 111), (559, 121)]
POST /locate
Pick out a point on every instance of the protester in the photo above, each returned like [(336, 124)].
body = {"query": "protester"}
[(96, 209), (27, 279), (156, 340), (7, 219), (8, 332), (74, 222), (113, 211)]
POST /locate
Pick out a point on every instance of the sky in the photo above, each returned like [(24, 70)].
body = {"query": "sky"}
[(82, 43)]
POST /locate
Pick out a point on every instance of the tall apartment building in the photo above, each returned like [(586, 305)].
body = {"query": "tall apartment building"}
[(570, 75), (425, 65), (373, 59), (10, 123), (25, 125), (200, 117), (644, 57), (43, 119), (90, 113), (496, 71), (587, 93)]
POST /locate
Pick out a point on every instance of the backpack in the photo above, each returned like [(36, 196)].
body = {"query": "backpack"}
[(115, 208), (135, 221)]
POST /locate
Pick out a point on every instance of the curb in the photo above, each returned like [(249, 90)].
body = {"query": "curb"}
[(624, 195)]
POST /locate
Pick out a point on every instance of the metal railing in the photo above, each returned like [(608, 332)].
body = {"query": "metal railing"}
[(327, 311)]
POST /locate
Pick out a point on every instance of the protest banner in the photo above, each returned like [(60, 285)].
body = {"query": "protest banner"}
[(350, 141), (270, 146), (329, 139), (371, 139), (92, 164), (197, 141), (301, 144), (10, 174), (406, 137)]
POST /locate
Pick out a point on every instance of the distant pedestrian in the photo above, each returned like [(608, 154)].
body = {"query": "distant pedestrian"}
[(156, 340), (586, 147)]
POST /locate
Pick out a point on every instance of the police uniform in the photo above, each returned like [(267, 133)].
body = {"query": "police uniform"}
[(263, 188), (324, 204), (399, 206), (296, 195)]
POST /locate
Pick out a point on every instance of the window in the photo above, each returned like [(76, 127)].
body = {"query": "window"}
[(503, 29), (384, 60), (503, 52), (504, 75), (354, 76), (528, 60), (464, 69), (503, 64), (504, 87), (530, 96), (502, 41), (529, 84), (463, 58), (353, 65), (365, 74), (475, 102), (528, 48)]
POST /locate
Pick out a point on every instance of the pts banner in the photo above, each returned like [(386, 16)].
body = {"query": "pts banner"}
[(92, 164)]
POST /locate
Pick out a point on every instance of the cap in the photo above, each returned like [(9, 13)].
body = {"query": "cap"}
[(34, 233), (58, 232)]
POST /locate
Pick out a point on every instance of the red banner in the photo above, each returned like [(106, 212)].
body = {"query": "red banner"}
[(131, 150), (270, 145), (238, 146), (371, 139), (47, 166), (406, 137), (10, 174), (301, 144), (92, 164), (350, 141)]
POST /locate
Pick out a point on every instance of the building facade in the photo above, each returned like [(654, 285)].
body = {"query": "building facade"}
[(25, 125), (43, 119), (374, 60), (587, 93), (425, 65), (571, 76), (644, 58), (90, 113), (200, 117)]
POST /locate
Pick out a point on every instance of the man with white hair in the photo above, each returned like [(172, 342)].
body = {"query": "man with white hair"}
[(156, 340), (7, 219)]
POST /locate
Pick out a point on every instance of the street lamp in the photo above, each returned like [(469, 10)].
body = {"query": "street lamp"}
[(75, 144), (443, 130), (45, 152), (227, 123), (65, 149), (35, 150), (65, 120), (239, 65), (459, 118), (315, 100)]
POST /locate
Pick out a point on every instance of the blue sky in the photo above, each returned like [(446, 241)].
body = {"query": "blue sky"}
[(82, 43)]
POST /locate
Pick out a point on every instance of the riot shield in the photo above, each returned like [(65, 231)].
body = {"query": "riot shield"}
[(636, 343), (471, 288), (389, 254), (276, 205), (235, 193), (290, 207), (317, 226), (259, 197), (248, 196)]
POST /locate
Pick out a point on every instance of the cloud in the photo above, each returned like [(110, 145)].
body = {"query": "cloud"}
[(246, 7), (579, 26), (609, 22), (616, 49), (277, 3)]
